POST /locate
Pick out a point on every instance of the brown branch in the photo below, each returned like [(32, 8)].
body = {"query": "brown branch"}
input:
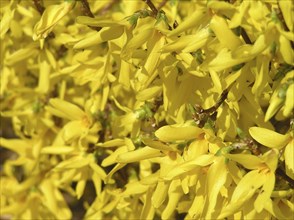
[(86, 9), (107, 7), (245, 36), (40, 8), (162, 4), (152, 7), (218, 104), (87, 12)]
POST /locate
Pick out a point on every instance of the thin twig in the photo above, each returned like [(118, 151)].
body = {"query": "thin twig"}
[(218, 104), (245, 36), (40, 8), (107, 7), (162, 4), (152, 7), (86, 9)]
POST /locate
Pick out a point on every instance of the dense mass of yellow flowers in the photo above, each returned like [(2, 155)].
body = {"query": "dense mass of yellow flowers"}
[(154, 109)]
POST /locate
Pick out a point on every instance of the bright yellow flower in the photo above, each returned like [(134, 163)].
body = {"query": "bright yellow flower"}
[(51, 16)]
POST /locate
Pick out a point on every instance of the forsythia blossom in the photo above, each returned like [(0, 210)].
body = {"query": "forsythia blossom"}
[(146, 109)]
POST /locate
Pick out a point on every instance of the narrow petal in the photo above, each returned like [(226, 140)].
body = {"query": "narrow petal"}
[(172, 133), (160, 193), (192, 21), (265, 193), (148, 209), (287, 8), (224, 34), (80, 188), (289, 159), (104, 35), (97, 169), (247, 160), (51, 16), (248, 185), (57, 150), (137, 155), (174, 195), (289, 102), (217, 175), (159, 145), (97, 22), (73, 130), (66, 109), (269, 138)]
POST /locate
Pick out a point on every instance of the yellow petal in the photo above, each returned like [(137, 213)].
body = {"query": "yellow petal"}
[(224, 60), (16, 145), (112, 143), (216, 81), (80, 188), (265, 193), (224, 34), (44, 80), (73, 130), (159, 145), (148, 209), (247, 160), (237, 18), (287, 8), (289, 102), (98, 170), (21, 54), (261, 78), (116, 168), (175, 193), (106, 34), (275, 104), (188, 43), (72, 163), (286, 50), (111, 159), (181, 169), (135, 188), (160, 193), (243, 192), (217, 175), (51, 16), (65, 109), (124, 73), (137, 155), (271, 159), (192, 21), (5, 21), (136, 42), (275, 208), (148, 93), (248, 185), (97, 22), (57, 150), (289, 159), (170, 133), (269, 138)]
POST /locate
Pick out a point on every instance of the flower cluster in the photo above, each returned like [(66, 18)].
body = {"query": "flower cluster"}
[(141, 110)]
